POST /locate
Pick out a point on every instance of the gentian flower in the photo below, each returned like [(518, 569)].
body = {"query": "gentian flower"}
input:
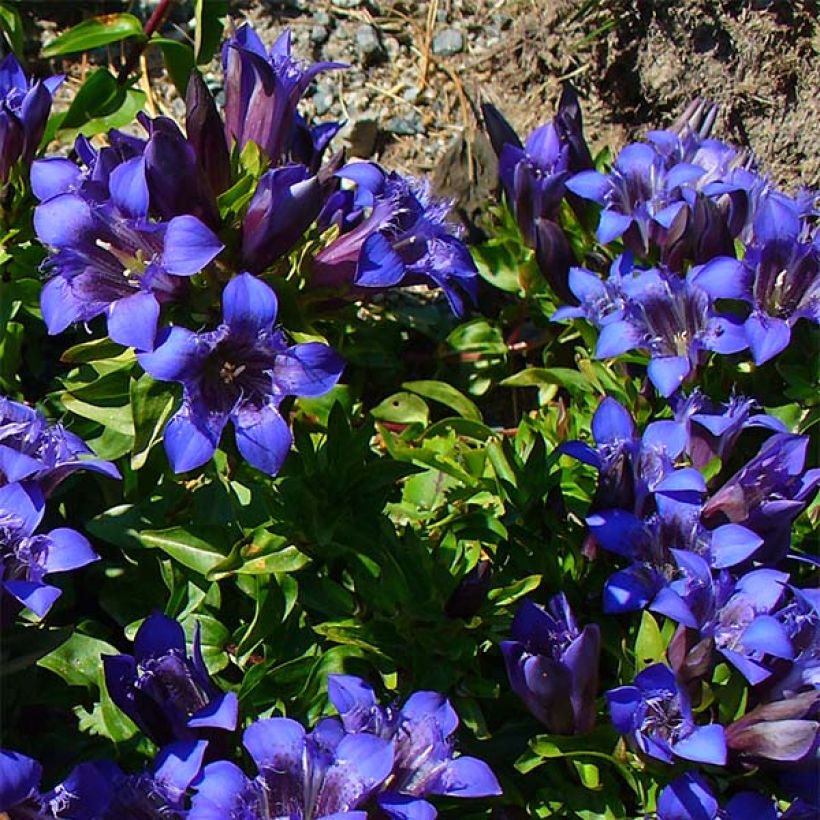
[(405, 240), (24, 110), (206, 134), (27, 557), (689, 797), (166, 693), (286, 202), (33, 449), (656, 715), (768, 493), (324, 774), (19, 782), (673, 320), (239, 372), (422, 737), (552, 665), (600, 301), (262, 91), (111, 260), (779, 279)]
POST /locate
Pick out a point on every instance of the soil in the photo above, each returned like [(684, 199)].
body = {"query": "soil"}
[(420, 69)]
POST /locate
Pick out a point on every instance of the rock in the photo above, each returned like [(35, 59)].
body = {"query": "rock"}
[(448, 42), (369, 45), (346, 4), (319, 35), (412, 94), (362, 138), (405, 126), (322, 102), (322, 18), (392, 47)]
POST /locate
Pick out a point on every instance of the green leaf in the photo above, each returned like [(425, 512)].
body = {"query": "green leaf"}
[(77, 661), (95, 32), (649, 644), (266, 554), (93, 351), (116, 418), (152, 403), (193, 551), (537, 376), (179, 61), (209, 16), (11, 24), (447, 395), (502, 596), (402, 408)]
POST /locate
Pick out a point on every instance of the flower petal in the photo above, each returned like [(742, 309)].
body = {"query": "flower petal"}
[(732, 544), (68, 550), (706, 744), (767, 336), (379, 265), (129, 187), (263, 437), (466, 777), (132, 321), (309, 369), (176, 356), (19, 777), (668, 372), (248, 304), (222, 712), (191, 441), (189, 246)]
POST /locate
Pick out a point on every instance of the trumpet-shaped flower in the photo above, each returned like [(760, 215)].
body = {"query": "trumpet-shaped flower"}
[(166, 693), (552, 665), (26, 557), (656, 716), (239, 372)]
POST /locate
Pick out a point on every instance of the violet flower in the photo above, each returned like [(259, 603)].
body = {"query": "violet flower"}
[(552, 665), (26, 557), (167, 694), (656, 716), (405, 240), (33, 449), (239, 372), (109, 259), (768, 493), (24, 110), (262, 91), (324, 774), (19, 782), (689, 797), (421, 733)]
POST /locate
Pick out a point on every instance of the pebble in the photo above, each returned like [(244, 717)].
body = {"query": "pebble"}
[(405, 126), (319, 35), (322, 102), (346, 4), (448, 42), (369, 44)]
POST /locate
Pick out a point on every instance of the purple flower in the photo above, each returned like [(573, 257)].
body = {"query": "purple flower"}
[(19, 782), (673, 320), (206, 134), (421, 733), (239, 372), (780, 280), (656, 715), (690, 797), (324, 774), (27, 557), (166, 693), (111, 260), (405, 240), (286, 202), (552, 665), (600, 300), (34, 450), (24, 110), (768, 493), (262, 91)]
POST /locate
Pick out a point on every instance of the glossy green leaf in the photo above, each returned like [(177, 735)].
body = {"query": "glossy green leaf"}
[(152, 403), (11, 24), (649, 643), (209, 18), (95, 32), (77, 661), (447, 395), (179, 61), (402, 408), (197, 552)]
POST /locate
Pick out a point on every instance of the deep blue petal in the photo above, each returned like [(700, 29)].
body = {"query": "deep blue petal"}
[(19, 777), (379, 265), (67, 550), (668, 372), (705, 744), (249, 305), (132, 321), (732, 544), (189, 246), (157, 636), (767, 336), (263, 437), (222, 712), (129, 187)]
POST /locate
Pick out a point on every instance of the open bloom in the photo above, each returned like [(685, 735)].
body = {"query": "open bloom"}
[(26, 557), (166, 693), (33, 449), (404, 240), (656, 715), (421, 733), (262, 91), (239, 372), (24, 109), (553, 665), (324, 774), (109, 259)]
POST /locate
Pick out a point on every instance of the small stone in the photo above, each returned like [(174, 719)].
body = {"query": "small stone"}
[(346, 4), (322, 18), (448, 42), (412, 94), (392, 47), (362, 138), (369, 44), (405, 126), (322, 102), (319, 35)]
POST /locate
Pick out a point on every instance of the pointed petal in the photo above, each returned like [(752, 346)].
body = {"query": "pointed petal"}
[(466, 777), (724, 278), (221, 713), (191, 441), (59, 306), (612, 422), (189, 246), (629, 590), (379, 265), (178, 764), (616, 338), (611, 226), (39, 598), (158, 635), (668, 372), (263, 437), (132, 321), (767, 336), (129, 187), (176, 357), (406, 807), (589, 185), (309, 369), (668, 602), (248, 304), (766, 634), (706, 744), (68, 550), (19, 777), (732, 544)]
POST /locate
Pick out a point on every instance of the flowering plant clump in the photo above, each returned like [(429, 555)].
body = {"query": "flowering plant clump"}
[(310, 509)]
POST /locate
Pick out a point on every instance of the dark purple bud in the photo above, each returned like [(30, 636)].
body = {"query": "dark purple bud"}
[(471, 592), (554, 256), (206, 135), (501, 133), (570, 124)]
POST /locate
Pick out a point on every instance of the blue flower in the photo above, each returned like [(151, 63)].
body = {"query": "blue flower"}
[(33, 449), (262, 91), (239, 372), (324, 774), (404, 240), (19, 781), (656, 716), (166, 693), (27, 557), (421, 735), (689, 797), (552, 665), (111, 260)]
